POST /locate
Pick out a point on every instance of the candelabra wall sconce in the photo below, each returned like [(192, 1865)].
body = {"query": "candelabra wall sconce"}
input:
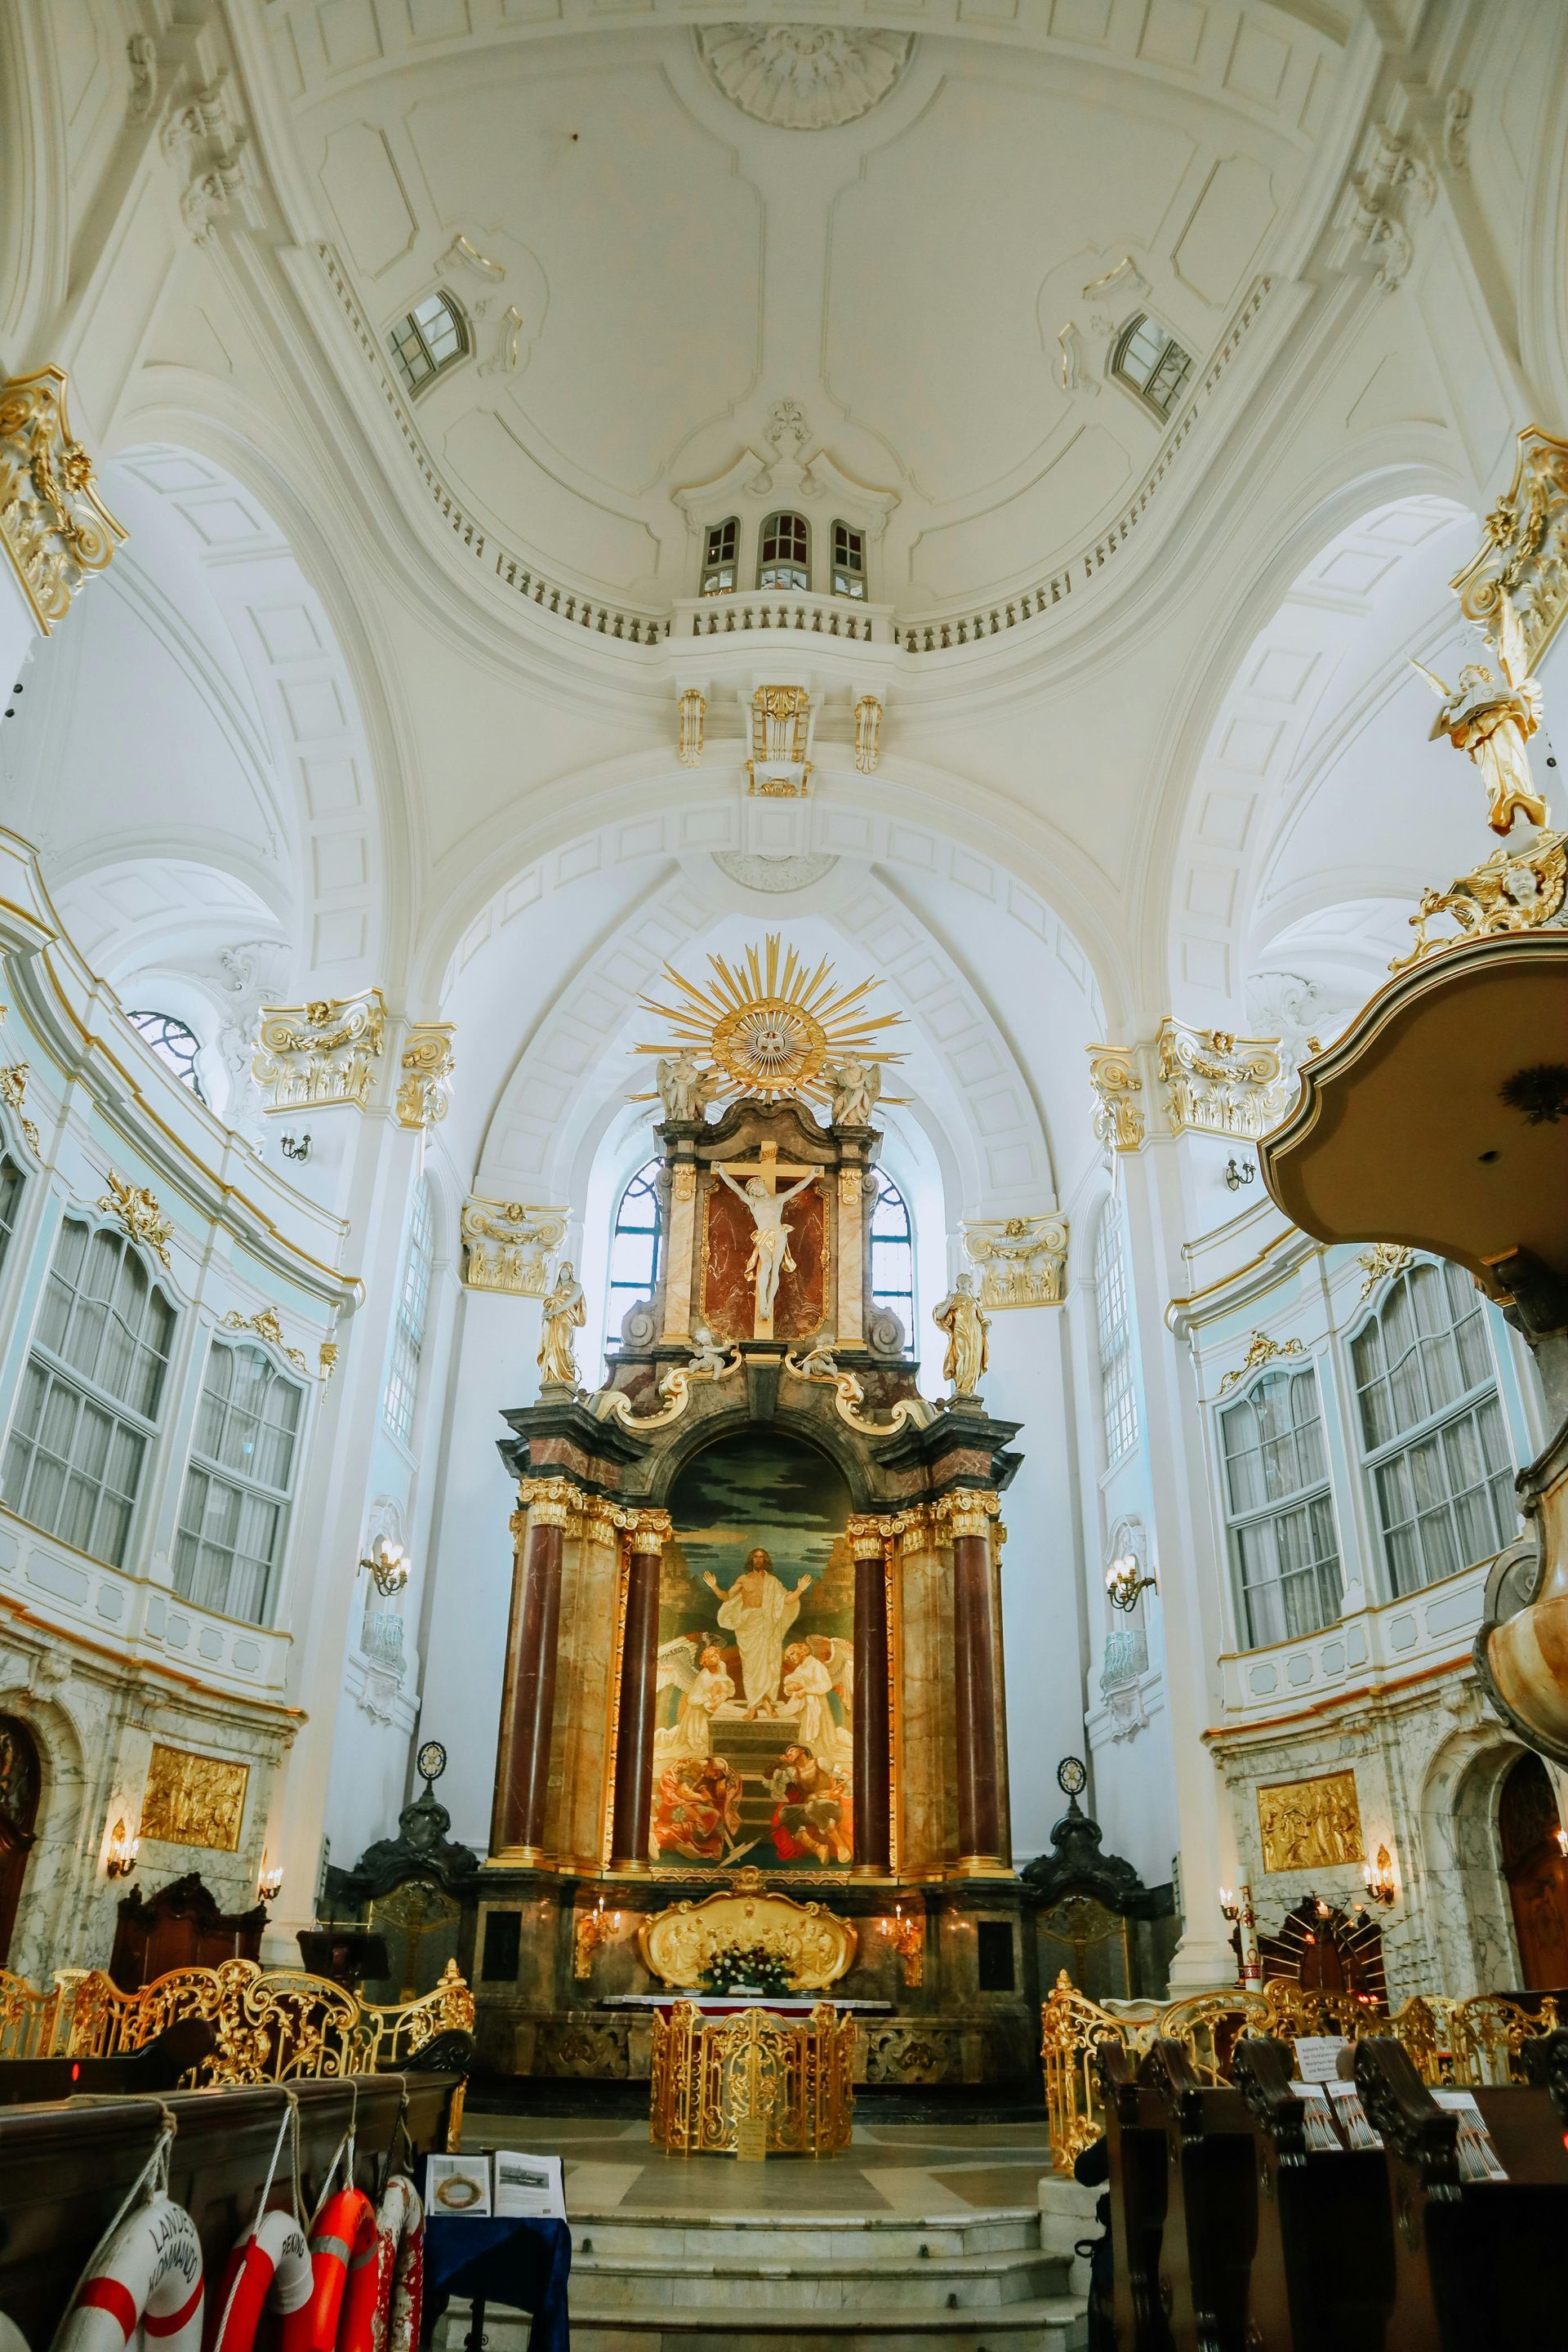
[(1380, 1884), (386, 1565), (906, 1933), (1236, 1176), (269, 1884), (1237, 1909), (295, 1147), (594, 1927), (123, 1849), (1124, 1581)]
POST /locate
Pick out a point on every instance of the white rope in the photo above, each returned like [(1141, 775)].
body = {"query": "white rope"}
[(157, 2165), (290, 2115)]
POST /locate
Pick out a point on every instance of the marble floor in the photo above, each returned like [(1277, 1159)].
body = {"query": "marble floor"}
[(890, 2169)]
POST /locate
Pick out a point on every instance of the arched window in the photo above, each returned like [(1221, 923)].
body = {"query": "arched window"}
[(1119, 1396), (88, 1405), (893, 1253), (408, 1331), (1432, 1432), (634, 1247), (719, 557), (785, 556), (1152, 363), (429, 339), (848, 561), (11, 1183), (1277, 1502), (175, 1042), (234, 1513)]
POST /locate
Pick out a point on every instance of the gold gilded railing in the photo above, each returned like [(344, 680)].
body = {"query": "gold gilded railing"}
[(273, 2025), (1459, 2043), (754, 2084)]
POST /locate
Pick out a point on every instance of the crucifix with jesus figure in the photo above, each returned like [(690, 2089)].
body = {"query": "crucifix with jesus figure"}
[(765, 1205)]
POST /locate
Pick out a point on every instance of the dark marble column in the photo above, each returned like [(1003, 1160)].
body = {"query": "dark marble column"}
[(873, 1847), (528, 1692), (977, 1688), (634, 1714)]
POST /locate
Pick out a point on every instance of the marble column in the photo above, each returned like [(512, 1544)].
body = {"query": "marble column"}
[(873, 1789), (634, 1712), (679, 1251), (977, 1688), (527, 1693)]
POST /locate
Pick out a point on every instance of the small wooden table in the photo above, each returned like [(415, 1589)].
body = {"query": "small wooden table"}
[(752, 2083)]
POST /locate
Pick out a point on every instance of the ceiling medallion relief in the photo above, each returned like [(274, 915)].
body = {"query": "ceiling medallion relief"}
[(803, 77)]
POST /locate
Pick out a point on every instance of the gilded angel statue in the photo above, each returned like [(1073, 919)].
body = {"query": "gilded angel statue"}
[(968, 1345), (1493, 722)]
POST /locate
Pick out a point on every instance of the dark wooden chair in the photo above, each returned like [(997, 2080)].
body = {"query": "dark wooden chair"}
[(157, 2067), (1476, 2262), (1136, 2137), (1322, 2268), (180, 1927)]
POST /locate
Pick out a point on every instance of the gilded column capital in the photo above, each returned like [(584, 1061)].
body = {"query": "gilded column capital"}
[(547, 1502), (967, 1511), (424, 1095), (914, 1528), (868, 1536), (507, 1245), (1117, 1120), (54, 526), (1023, 1260), (650, 1531), (309, 1056), (1216, 1084)]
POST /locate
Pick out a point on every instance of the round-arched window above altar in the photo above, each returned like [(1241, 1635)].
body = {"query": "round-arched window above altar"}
[(634, 1247), (893, 1253)]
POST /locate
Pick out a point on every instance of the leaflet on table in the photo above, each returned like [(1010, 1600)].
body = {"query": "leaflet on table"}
[(1318, 2056), (528, 2185), (459, 2184)]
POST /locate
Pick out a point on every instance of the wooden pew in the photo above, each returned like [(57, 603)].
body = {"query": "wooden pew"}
[(1135, 2138), (65, 2168), (1322, 2268), (1477, 2262), (1211, 2217), (157, 2066)]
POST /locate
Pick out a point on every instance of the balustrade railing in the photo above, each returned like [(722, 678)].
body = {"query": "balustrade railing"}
[(1459, 2043)]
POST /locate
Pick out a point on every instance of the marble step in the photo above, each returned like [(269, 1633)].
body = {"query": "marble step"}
[(806, 2237), (686, 2286), (1055, 2324)]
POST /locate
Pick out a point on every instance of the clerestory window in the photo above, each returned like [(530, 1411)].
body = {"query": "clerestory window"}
[(633, 1248), (785, 556), (893, 1253), (91, 1399), (719, 557), (428, 340), (1282, 1535), (1433, 1437), (176, 1045), (234, 1513), (848, 561), (1152, 363), (402, 1394), (1119, 1396)]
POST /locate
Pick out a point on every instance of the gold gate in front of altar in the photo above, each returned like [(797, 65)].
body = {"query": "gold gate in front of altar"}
[(754, 2084)]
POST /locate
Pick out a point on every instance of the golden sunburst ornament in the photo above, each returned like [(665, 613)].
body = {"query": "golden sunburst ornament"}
[(769, 1027)]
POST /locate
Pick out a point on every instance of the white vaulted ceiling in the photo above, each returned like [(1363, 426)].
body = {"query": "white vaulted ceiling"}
[(666, 267)]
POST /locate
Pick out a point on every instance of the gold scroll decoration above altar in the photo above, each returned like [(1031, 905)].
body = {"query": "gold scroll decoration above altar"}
[(676, 1945)]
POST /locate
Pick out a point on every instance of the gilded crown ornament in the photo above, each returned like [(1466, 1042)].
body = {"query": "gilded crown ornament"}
[(770, 1027)]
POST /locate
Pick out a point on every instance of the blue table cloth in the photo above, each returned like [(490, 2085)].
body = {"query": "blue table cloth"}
[(521, 2262)]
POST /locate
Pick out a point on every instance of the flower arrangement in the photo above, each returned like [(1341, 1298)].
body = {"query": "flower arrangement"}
[(746, 1967)]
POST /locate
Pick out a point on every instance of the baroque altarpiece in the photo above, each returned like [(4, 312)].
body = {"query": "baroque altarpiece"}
[(755, 1639)]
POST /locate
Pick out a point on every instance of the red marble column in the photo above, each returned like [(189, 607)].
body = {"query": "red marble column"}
[(977, 1672), (528, 1692), (873, 1843), (634, 1714)]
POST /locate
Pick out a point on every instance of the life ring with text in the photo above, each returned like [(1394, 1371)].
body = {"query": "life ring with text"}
[(342, 2238), (149, 2277), (270, 2270)]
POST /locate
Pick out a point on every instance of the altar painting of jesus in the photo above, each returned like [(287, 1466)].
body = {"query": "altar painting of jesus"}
[(755, 1661)]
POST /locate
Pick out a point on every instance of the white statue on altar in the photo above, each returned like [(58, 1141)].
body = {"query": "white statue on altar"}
[(856, 1085), (758, 1611), (769, 1247), (685, 1089)]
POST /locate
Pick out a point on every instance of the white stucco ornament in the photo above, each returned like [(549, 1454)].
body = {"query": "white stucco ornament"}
[(803, 77)]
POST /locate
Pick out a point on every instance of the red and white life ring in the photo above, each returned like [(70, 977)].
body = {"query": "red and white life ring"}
[(344, 2234), (402, 2217), (149, 2276), (270, 2270)]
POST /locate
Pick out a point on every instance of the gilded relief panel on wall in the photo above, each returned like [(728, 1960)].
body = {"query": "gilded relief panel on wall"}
[(195, 1800), (1311, 1824), (754, 1749)]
